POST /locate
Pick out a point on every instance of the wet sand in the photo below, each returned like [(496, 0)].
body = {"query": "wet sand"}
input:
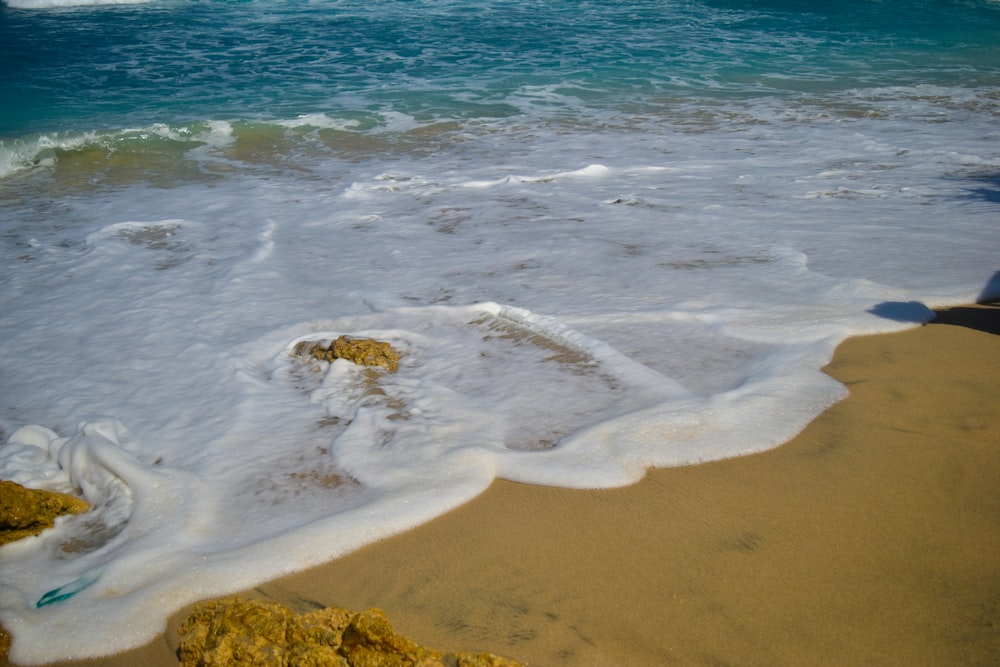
[(872, 538)]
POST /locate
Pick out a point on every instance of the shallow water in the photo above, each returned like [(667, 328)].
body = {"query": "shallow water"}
[(604, 236)]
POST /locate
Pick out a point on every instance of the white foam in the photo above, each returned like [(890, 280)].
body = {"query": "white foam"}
[(596, 302), (321, 121), (590, 171)]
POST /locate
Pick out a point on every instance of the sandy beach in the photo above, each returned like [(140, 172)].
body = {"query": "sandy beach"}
[(872, 538)]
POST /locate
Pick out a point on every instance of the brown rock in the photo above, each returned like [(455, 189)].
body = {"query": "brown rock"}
[(361, 351), (25, 512), (263, 633), (4, 646), (370, 641), (234, 631)]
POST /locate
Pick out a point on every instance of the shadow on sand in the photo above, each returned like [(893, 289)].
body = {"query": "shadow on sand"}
[(984, 317)]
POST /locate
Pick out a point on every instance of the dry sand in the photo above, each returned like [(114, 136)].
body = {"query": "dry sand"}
[(873, 538)]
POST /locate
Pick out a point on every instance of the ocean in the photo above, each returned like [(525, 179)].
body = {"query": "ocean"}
[(604, 236)]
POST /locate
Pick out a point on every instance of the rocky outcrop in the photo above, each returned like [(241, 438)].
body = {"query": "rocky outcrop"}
[(262, 633), (360, 351), (25, 512)]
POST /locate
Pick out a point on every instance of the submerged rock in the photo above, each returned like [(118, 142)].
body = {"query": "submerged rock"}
[(25, 512), (361, 351), (262, 633)]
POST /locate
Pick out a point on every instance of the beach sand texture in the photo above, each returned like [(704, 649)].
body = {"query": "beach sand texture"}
[(872, 538)]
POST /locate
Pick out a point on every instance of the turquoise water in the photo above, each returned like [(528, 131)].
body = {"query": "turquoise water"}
[(605, 236), (108, 67)]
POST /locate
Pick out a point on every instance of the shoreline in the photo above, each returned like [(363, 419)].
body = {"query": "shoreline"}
[(873, 537)]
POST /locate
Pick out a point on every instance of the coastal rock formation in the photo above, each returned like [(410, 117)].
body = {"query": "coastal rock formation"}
[(361, 351), (25, 512), (263, 633)]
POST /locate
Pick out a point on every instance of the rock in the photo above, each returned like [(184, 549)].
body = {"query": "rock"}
[(262, 633), (25, 512), (361, 351), (4, 646), (370, 640)]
